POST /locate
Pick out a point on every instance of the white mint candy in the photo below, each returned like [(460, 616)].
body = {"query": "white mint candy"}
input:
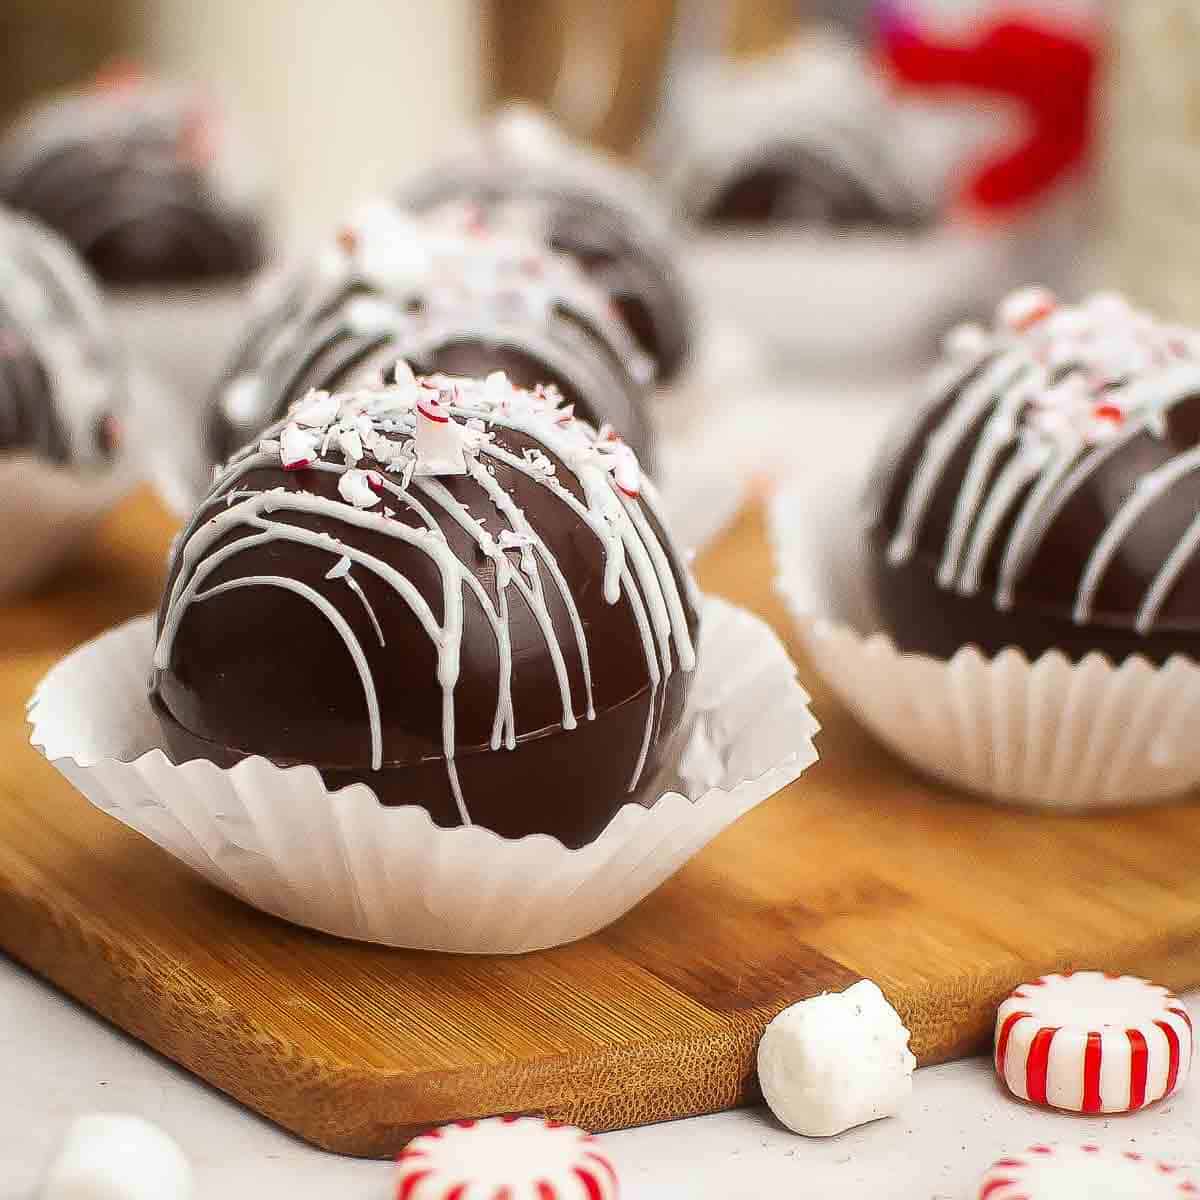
[(1085, 1173), (836, 1061), (1092, 1043), (113, 1157), (505, 1158)]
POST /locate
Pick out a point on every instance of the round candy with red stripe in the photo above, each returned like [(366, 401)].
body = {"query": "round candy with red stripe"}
[(505, 1158), (1092, 1043), (1084, 1173)]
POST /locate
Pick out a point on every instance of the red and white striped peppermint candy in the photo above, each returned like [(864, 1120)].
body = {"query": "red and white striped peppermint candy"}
[(1093, 1043), (1084, 1173), (505, 1158)]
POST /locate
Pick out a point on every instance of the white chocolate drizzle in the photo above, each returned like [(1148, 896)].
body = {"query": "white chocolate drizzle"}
[(388, 424), (1059, 391)]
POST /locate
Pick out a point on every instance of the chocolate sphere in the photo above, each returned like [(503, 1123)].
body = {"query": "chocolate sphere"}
[(63, 383), (451, 293), (521, 168), (806, 138), (136, 177), (1045, 496), (447, 589)]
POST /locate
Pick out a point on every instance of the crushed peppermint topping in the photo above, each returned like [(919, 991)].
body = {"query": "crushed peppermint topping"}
[(1023, 309), (361, 488), (538, 461), (440, 425), (1073, 365), (350, 444), (315, 410), (297, 447), (455, 260)]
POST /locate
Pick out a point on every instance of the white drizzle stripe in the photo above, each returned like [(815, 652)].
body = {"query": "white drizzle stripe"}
[(940, 448), (1167, 577), (1149, 489), (336, 619), (1020, 536), (996, 437), (634, 560), (1025, 466), (643, 624), (519, 524), (941, 383), (1152, 397), (1069, 388), (503, 724), (353, 585)]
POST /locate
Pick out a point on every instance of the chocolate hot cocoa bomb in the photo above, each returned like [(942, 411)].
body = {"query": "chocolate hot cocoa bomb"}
[(139, 177), (63, 380), (520, 166), (805, 139), (447, 589), (1047, 494), (451, 292)]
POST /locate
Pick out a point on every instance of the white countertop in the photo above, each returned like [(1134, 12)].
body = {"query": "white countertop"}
[(60, 1061)]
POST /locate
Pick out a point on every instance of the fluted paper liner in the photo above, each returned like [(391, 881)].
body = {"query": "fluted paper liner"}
[(343, 863), (830, 298), (1048, 733)]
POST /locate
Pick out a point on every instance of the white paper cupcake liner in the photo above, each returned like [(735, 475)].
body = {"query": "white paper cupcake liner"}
[(1048, 733), (826, 300), (343, 863)]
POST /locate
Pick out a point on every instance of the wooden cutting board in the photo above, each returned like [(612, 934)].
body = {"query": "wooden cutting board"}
[(861, 868)]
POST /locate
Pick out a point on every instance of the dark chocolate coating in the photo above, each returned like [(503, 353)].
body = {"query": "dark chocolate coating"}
[(137, 212), (796, 187), (923, 616), (639, 277), (260, 671)]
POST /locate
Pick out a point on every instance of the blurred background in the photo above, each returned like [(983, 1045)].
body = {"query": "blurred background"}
[(338, 99)]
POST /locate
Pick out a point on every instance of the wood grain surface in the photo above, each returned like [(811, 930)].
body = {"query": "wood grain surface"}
[(861, 868)]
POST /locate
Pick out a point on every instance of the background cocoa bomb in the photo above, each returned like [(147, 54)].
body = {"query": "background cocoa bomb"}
[(512, 644), (1046, 496), (797, 186), (521, 167), (127, 173), (62, 378), (446, 299), (808, 139)]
